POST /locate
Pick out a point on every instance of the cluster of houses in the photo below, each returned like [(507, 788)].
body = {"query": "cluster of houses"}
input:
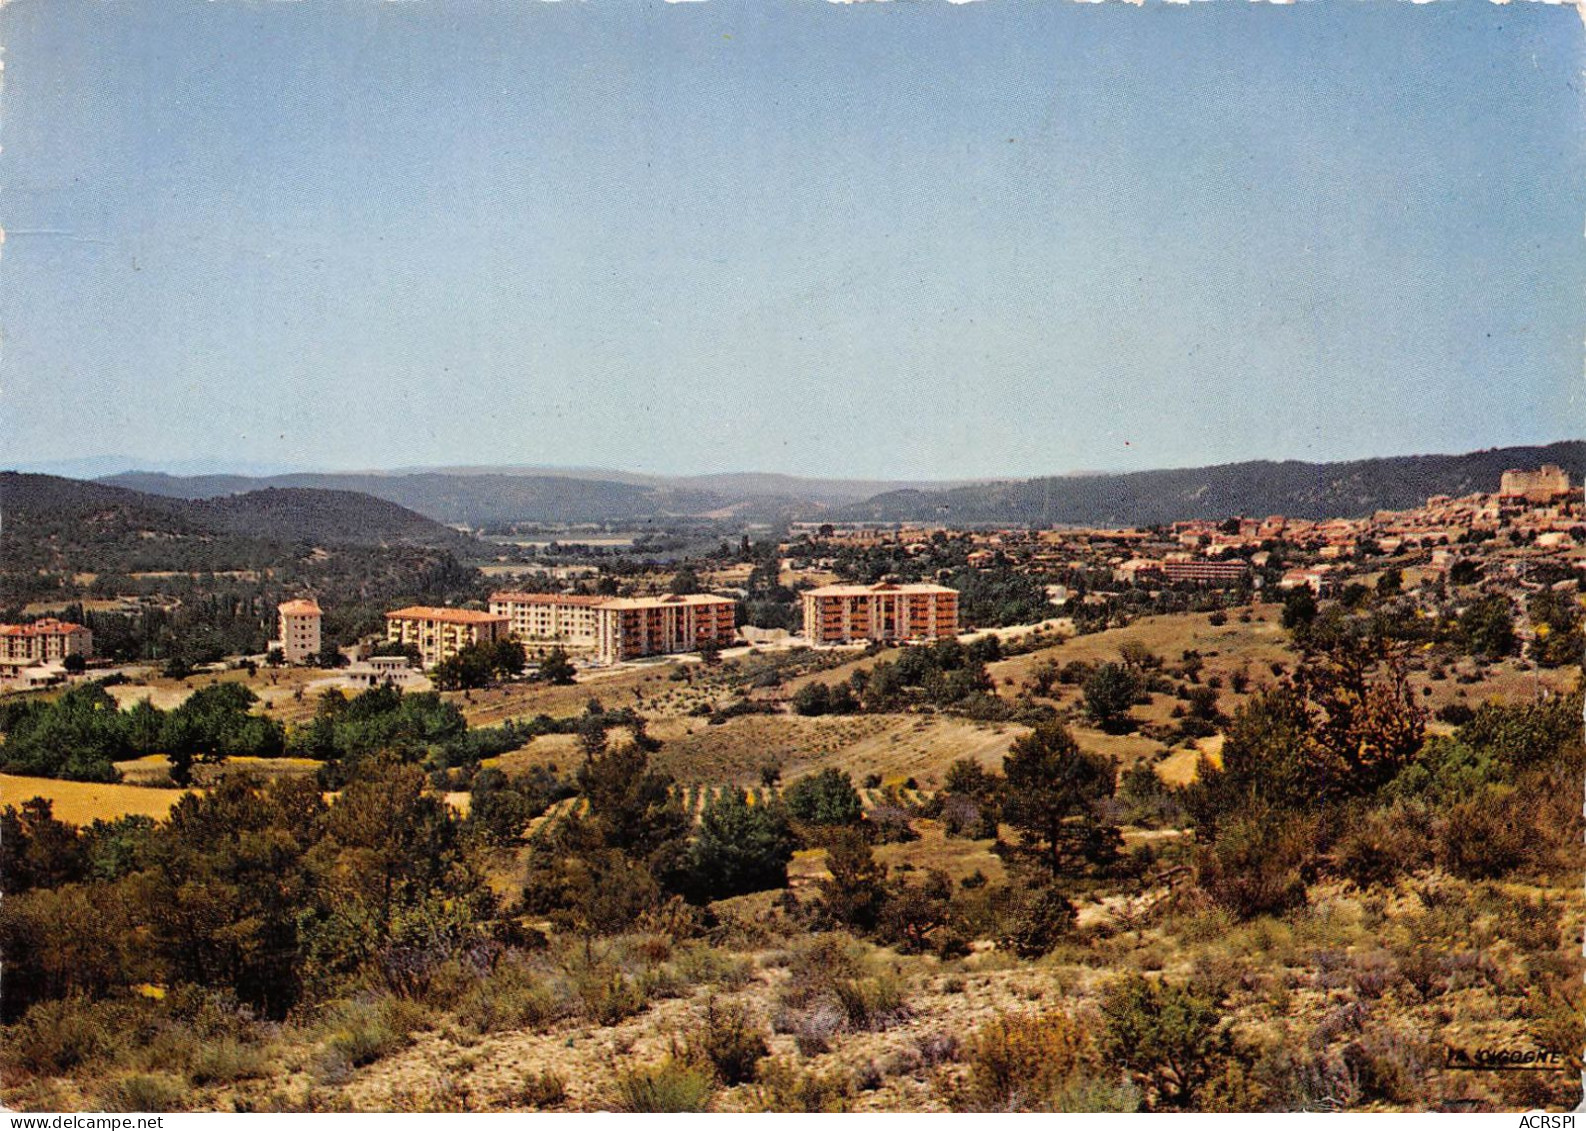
[(1538, 508)]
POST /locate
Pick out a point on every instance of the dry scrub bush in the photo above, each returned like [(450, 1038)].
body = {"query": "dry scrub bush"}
[(150, 1092), (228, 1060), (1279, 1075), (540, 1090), (1022, 1062), (784, 1087), (728, 1041), (361, 1032), (699, 965), (672, 1085), (1383, 844), (1390, 1065), (608, 997), (1256, 866), (513, 996), (56, 1037), (833, 987)]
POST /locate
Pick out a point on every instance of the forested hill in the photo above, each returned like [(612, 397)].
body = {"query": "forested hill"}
[(1257, 488), (48, 522), (471, 499)]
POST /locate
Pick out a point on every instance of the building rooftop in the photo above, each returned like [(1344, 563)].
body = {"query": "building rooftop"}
[(663, 602), (301, 607), (577, 599), (879, 587), (48, 626), (448, 616)]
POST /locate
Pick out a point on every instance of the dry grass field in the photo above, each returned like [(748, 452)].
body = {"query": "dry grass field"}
[(80, 803), (897, 747)]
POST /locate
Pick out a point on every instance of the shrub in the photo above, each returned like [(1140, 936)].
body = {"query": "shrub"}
[(57, 1036), (226, 1061), (542, 1090), (607, 997), (938, 1048), (1166, 1035), (363, 1032), (510, 998), (784, 1087), (1390, 1065), (817, 965), (873, 1003), (814, 698), (812, 1028), (699, 965), (145, 1092), (1256, 864), (1486, 837), (1018, 1062), (1380, 846), (1042, 919), (830, 989), (671, 1085), (729, 1042)]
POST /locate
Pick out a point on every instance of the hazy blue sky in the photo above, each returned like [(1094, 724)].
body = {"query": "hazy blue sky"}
[(903, 239)]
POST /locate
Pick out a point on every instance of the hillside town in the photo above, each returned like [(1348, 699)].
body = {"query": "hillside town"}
[(1527, 536)]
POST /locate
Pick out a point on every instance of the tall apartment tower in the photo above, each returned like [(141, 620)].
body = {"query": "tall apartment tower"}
[(300, 623)]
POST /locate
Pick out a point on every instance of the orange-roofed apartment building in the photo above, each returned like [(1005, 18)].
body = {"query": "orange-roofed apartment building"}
[(630, 627), (43, 641), (544, 619), (841, 614), (439, 634), (619, 628), (299, 629)]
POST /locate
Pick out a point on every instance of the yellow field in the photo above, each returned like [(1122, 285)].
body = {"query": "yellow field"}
[(1179, 767), (80, 802)]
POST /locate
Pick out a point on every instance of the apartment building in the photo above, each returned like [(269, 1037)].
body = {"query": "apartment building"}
[(439, 634), (43, 641), (299, 630), (839, 614), (630, 627), (545, 619), (1203, 572)]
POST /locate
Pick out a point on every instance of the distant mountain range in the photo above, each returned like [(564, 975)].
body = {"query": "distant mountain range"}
[(1258, 488), (417, 508), (475, 497)]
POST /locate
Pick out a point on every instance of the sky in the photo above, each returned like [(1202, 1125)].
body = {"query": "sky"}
[(894, 240)]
